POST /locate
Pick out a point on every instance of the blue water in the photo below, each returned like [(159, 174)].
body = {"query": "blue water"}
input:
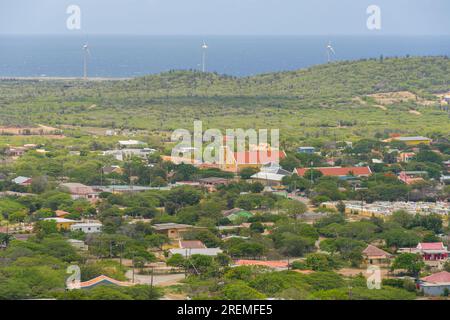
[(130, 56)]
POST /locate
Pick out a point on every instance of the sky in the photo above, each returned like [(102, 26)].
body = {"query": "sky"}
[(226, 17)]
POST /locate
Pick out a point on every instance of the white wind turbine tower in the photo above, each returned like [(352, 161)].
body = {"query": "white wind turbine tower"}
[(330, 52), (86, 55), (204, 50)]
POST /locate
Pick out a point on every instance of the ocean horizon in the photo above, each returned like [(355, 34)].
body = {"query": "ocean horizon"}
[(124, 56)]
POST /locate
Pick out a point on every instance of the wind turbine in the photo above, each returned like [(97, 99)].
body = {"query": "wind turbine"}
[(330, 52), (204, 50), (86, 55)]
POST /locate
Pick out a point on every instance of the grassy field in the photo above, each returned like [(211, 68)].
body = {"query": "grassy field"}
[(323, 103)]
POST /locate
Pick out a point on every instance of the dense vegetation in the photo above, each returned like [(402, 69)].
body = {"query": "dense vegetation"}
[(314, 103)]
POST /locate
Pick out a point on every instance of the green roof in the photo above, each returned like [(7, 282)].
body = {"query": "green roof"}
[(240, 214)]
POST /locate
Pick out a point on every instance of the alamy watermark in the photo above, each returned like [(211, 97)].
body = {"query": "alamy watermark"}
[(374, 278), (73, 282), (73, 22), (374, 20)]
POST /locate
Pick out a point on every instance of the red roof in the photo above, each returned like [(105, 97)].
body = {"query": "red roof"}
[(191, 244), (431, 246), (338, 171), (258, 157), (103, 280), (271, 264), (61, 213), (441, 277), (372, 251)]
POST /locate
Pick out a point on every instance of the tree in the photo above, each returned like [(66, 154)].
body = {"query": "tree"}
[(428, 156), (257, 227), (241, 291), (319, 262), (176, 260), (293, 208), (247, 173), (5, 239), (39, 184), (256, 187), (44, 228), (180, 197), (294, 245), (156, 240), (403, 218), (401, 238), (312, 174), (341, 207), (411, 262), (290, 163)]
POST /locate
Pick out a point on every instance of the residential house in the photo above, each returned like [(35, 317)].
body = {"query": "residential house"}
[(187, 252), (376, 256), (16, 151), (411, 177), (101, 280), (112, 169), (412, 141), (191, 244), (80, 191), (271, 175), (62, 223), (436, 284), (236, 161), (61, 213), (237, 215), (212, 183), (123, 154), (122, 189), (307, 150), (405, 157), (434, 254), (337, 171), (87, 227), (22, 181), (173, 230)]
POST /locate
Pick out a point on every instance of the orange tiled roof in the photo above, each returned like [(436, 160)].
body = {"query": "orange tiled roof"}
[(103, 279), (337, 171), (258, 157), (61, 213)]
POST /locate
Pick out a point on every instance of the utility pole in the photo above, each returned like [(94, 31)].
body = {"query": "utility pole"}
[(132, 263), (151, 282)]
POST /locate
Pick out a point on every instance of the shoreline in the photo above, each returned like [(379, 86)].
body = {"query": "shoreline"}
[(64, 79)]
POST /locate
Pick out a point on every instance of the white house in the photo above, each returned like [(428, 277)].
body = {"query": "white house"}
[(87, 227), (123, 154), (201, 251)]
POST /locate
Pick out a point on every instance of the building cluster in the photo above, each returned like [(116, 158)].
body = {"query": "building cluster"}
[(383, 209)]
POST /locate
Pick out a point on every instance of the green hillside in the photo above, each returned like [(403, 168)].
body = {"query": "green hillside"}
[(323, 102)]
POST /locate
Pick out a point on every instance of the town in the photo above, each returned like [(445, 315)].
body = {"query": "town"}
[(305, 222)]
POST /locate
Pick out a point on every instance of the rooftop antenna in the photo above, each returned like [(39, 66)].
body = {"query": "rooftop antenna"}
[(204, 50), (330, 52), (86, 55)]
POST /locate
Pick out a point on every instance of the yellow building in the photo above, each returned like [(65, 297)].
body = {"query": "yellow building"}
[(61, 223), (414, 141)]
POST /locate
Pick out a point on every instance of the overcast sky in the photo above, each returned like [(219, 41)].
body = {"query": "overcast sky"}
[(226, 17)]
